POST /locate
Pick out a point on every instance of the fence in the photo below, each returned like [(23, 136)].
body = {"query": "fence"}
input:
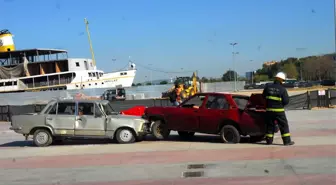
[(325, 98)]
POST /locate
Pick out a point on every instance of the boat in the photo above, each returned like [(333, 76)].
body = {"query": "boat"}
[(50, 69), (42, 69)]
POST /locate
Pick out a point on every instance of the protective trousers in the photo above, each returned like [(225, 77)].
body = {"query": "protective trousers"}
[(283, 126)]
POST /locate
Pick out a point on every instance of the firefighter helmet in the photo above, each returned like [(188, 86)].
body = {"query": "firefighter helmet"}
[(281, 75)]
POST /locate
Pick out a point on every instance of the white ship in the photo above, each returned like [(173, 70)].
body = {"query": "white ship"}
[(51, 69)]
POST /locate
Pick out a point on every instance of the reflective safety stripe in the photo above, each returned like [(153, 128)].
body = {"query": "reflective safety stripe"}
[(276, 109), (269, 135), (273, 98), (285, 135)]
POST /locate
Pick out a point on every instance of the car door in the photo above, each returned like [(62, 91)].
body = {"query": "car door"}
[(215, 109), (185, 117), (62, 118), (90, 121)]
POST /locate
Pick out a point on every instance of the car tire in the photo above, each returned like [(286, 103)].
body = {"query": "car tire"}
[(255, 139), (230, 134), (159, 131), (125, 135), (42, 138), (186, 135)]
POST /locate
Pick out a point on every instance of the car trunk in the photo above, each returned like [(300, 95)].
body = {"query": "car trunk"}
[(256, 102), (253, 115)]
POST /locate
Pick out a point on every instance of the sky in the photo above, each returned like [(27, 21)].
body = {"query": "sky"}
[(167, 38)]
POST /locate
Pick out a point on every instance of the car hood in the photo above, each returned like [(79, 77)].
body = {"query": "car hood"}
[(121, 116)]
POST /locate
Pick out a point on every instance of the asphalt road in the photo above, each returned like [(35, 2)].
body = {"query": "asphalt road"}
[(311, 161)]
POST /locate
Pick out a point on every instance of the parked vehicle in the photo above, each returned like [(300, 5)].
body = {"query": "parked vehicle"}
[(62, 119), (114, 94), (230, 116)]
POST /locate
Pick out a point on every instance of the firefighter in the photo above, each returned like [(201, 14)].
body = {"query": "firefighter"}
[(175, 95), (276, 99)]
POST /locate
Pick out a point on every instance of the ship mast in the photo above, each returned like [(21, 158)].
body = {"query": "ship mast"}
[(88, 33)]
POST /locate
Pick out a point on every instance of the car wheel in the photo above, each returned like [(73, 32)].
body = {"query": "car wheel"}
[(159, 130), (230, 134), (125, 135), (255, 139), (186, 135), (42, 138)]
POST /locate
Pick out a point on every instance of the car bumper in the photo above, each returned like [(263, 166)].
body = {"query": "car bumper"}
[(16, 129)]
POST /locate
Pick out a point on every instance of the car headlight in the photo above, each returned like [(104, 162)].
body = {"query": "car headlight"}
[(140, 120)]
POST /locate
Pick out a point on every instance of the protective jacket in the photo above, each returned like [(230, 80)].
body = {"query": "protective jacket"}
[(276, 97)]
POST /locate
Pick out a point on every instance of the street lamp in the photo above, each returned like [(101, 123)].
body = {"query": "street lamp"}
[(151, 75), (300, 62), (234, 65), (252, 74), (335, 39)]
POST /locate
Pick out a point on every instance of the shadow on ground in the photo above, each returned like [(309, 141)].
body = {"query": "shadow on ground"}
[(147, 139)]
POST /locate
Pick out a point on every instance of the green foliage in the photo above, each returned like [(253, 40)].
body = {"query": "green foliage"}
[(240, 78), (204, 79), (290, 70), (163, 82), (310, 68), (261, 78), (229, 75)]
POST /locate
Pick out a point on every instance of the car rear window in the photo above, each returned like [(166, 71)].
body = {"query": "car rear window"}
[(241, 102)]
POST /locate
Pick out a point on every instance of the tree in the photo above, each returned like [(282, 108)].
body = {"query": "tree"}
[(138, 84), (229, 75), (290, 70), (148, 83), (204, 79), (241, 78), (163, 82), (133, 84), (260, 78)]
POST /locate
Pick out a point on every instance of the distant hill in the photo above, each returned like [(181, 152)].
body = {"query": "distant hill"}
[(157, 82)]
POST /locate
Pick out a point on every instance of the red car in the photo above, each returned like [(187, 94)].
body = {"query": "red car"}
[(230, 116)]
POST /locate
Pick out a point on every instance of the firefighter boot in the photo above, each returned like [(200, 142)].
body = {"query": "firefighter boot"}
[(287, 141)]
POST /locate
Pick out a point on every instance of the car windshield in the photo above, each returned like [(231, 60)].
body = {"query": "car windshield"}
[(107, 108)]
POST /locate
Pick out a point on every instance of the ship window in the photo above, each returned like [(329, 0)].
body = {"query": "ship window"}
[(1, 84), (15, 83), (89, 84), (94, 74), (102, 82), (125, 73), (76, 85), (8, 83), (96, 83), (77, 64), (90, 74)]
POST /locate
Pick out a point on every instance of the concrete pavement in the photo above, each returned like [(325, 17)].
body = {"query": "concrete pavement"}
[(311, 161)]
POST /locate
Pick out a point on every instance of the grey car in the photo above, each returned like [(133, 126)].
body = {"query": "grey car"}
[(61, 119)]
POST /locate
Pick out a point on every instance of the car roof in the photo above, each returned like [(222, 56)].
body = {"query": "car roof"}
[(83, 101), (222, 93)]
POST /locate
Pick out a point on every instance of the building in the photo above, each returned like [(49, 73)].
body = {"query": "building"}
[(249, 75), (269, 63)]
